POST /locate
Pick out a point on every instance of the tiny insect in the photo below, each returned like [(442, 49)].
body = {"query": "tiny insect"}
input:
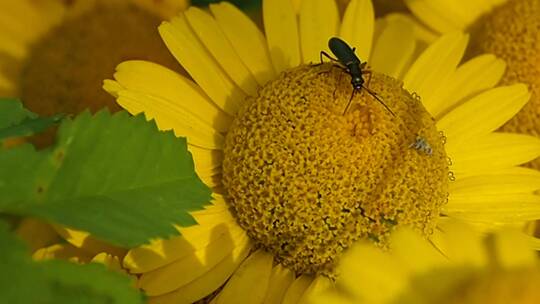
[(347, 60), (421, 145)]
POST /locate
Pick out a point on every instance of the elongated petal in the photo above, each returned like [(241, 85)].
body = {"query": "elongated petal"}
[(496, 184), (207, 162), (169, 117), (435, 66), (207, 283), (319, 284), (492, 152), (255, 272), (247, 40), (87, 243), (501, 208), (215, 41), (436, 15), (460, 243), (388, 59), (160, 253), (296, 289), (483, 113), (281, 34), (319, 20), (474, 76), (280, 280), (193, 56), (357, 27), (448, 15), (177, 91), (167, 279)]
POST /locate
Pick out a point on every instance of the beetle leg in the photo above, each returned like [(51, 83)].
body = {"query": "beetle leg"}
[(350, 101), (369, 73), (335, 89), (325, 54)]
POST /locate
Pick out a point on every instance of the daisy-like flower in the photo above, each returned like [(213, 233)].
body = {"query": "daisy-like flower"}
[(54, 54), (506, 28), (298, 173), (497, 269)]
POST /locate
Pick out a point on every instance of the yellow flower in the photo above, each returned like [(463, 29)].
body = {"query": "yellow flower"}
[(301, 168), (54, 55), (506, 28), (500, 268)]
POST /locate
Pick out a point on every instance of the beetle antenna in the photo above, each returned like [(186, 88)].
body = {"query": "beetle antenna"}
[(378, 99)]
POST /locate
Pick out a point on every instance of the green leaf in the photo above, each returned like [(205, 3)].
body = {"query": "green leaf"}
[(12, 112), (25, 281), (16, 121), (117, 177)]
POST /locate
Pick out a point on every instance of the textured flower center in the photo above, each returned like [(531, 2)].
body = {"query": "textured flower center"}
[(305, 181), (511, 32), (65, 69), (516, 287)]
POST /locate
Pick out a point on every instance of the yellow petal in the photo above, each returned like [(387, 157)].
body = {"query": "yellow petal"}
[(194, 57), (332, 297), (496, 184), (247, 40), (12, 48), (192, 266), (494, 209), (249, 282), (319, 20), (357, 27), (492, 152), (280, 280), (112, 87), (87, 243), (435, 66), (169, 117), (388, 59), (207, 283), (177, 91), (474, 76), (460, 243), (406, 243), (483, 114), (110, 261), (435, 15), (512, 250), (62, 251), (318, 285), (378, 271), (207, 162), (23, 20), (215, 41), (281, 34), (213, 222), (296, 289)]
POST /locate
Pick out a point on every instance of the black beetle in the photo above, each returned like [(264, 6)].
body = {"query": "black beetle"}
[(347, 60)]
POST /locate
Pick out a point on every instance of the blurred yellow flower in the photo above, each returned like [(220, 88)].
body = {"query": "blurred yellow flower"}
[(506, 28), (473, 269), (54, 54)]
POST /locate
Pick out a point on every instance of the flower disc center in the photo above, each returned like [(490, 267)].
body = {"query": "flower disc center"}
[(306, 180)]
